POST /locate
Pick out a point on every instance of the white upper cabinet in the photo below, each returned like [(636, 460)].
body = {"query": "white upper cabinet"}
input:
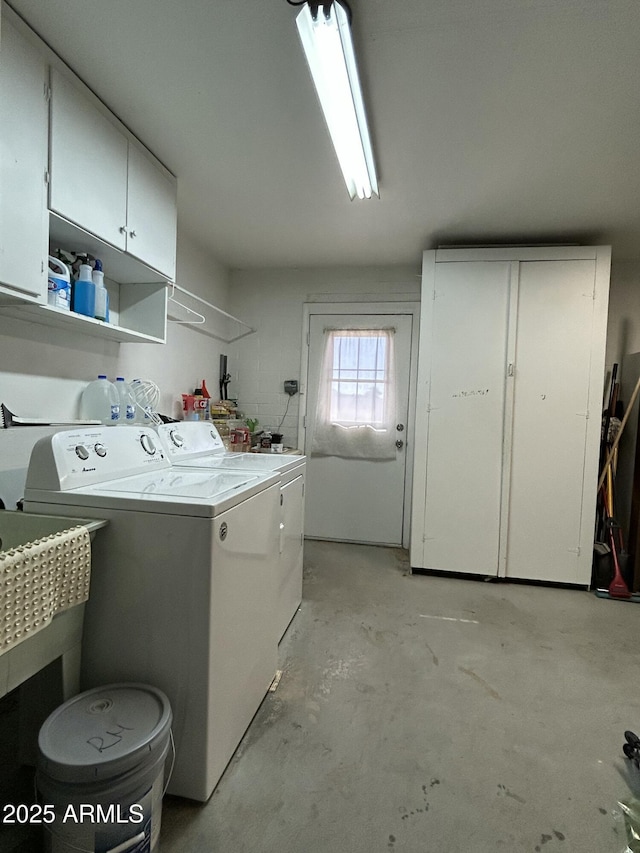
[(151, 212), (23, 164), (88, 164), (105, 182)]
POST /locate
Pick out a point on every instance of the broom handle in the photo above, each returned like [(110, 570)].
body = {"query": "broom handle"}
[(619, 435)]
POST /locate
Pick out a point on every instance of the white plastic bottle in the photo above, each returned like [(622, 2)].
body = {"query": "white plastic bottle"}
[(59, 284), (100, 401), (127, 402), (101, 308)]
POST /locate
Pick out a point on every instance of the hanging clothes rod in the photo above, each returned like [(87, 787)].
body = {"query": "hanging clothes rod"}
[(200, 319)]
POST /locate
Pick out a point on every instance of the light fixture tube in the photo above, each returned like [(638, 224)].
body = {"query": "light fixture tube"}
[(326, 39)]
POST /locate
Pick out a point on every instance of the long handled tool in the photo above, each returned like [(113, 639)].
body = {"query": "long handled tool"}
[(617, 588), (616, 440)]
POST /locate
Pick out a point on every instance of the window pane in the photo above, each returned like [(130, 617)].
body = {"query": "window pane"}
[(358, 379)]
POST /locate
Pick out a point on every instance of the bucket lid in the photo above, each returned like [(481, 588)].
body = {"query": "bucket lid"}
[(104, 732)]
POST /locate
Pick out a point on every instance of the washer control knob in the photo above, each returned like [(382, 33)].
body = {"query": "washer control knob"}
[(148, 444), (176, 438), (100, 449), (82, 452)]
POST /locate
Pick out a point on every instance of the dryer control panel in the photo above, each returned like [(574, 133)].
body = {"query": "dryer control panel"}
[(188, 440)]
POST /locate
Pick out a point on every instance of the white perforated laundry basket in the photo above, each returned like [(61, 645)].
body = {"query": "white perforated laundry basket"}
[(101, 769)]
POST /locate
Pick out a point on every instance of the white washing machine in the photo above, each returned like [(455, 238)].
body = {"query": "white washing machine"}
[(198, 445), (182, 583)]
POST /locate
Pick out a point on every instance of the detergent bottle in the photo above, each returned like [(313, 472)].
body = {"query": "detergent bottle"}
[(59, 284)]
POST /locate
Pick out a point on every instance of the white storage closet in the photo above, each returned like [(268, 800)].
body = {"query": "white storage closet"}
[(509, 401)]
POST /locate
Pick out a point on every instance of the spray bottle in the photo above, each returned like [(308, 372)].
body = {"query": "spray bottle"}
[(101, 310), (84, 292)]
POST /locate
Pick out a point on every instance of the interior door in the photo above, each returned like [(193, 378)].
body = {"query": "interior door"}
[(358, 500)]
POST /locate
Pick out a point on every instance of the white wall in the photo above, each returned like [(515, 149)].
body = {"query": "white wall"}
[(272, 302), (43, 370), (623, 333)]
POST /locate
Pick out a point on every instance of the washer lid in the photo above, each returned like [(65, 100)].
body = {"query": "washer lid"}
[(181, 483), (244, 462), (104, 733)]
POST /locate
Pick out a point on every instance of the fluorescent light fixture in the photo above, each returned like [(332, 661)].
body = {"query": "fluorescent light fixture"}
[(326, 38)]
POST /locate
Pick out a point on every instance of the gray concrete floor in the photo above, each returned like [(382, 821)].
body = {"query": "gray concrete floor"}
[(419, 714), (425, 715)]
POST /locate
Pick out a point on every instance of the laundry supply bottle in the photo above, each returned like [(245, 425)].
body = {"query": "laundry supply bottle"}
[(83, 295), (126, 401), (207, 401), (101, 308), (199, 403), (59, 284), (100, 401)]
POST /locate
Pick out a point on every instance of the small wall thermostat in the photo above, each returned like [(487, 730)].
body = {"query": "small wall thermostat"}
[(291, 386)]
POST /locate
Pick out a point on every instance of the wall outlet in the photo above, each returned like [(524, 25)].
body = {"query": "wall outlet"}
[(291, 386)]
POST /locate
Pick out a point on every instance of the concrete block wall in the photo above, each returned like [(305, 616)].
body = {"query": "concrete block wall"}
[(43, 370), (272, 301)]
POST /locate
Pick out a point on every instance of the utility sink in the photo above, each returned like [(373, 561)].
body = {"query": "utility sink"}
[(61, 639), (18, 528)]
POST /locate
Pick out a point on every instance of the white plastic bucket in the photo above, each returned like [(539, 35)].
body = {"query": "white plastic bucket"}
[(101, 770)]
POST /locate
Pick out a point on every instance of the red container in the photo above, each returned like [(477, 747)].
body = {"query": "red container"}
[(195, 408), (240, 439)]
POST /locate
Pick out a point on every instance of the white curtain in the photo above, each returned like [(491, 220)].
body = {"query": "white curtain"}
[(356, 408)]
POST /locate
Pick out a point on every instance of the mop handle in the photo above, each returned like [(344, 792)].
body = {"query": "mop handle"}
[(619, 435)]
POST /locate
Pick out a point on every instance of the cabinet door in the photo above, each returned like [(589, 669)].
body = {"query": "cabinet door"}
[(151, 213), (466, 319), (289, 588), (88, 164), (551, 400), (23, 163)]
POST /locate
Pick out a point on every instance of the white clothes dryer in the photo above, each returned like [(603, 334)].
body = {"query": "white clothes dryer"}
[(199, 445), (182, 583)]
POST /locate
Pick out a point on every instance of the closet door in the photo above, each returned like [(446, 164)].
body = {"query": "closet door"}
[(465, 361), (555, 319)]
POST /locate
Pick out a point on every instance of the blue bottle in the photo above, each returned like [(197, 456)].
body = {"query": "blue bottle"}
[(83, 296), (101, 293)]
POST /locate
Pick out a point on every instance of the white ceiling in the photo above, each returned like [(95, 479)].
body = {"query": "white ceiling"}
[(492, 121)]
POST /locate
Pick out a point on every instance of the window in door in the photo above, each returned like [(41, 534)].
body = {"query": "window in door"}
[(356, 395)]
